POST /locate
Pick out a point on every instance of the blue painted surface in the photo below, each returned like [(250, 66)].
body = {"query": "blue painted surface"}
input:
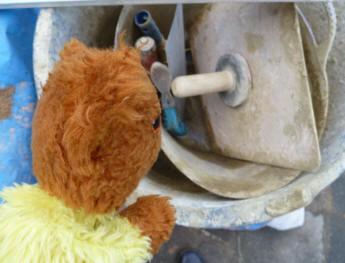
[(16, 39), (250, 227)]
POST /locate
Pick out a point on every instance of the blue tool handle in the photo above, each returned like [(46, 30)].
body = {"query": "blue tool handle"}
[(171, 122), (147, 25)]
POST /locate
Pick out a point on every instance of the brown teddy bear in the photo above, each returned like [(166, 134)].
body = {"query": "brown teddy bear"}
[(95, 135)]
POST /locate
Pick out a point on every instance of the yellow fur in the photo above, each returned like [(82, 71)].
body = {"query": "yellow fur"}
[(36, 227)]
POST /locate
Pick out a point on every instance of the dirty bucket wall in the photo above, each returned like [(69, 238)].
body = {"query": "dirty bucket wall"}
[(195, 206), (94, 26)]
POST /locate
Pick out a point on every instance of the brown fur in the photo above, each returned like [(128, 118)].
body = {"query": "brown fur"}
[(93, 138), (155, 218)]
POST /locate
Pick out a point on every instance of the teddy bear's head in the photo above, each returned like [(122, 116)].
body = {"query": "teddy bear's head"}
[(96, 127)]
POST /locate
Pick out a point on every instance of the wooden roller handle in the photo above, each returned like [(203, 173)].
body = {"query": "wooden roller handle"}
[(198, 84)]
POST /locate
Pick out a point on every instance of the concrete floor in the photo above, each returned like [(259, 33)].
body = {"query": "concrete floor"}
[(321, 239)]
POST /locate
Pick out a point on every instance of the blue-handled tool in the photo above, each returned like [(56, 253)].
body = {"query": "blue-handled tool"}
[(147, 25), (161, 77)]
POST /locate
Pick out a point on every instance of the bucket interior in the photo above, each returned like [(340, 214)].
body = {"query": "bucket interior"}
[(95, 26)]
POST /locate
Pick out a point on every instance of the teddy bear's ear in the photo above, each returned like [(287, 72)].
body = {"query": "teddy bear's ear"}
[(72, 48)]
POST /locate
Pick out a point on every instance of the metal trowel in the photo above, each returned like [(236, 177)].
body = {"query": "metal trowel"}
[(275, 123)]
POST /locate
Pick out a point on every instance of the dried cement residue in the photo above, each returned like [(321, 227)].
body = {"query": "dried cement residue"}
[(254, 41), (6, 102)]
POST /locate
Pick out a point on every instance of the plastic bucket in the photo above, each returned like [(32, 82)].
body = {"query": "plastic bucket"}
[(195, 206)]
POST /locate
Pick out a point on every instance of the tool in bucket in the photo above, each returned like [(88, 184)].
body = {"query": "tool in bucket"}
[(160, 74), (275, 125)]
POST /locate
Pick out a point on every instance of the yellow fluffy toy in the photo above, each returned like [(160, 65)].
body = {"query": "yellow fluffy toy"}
[(49, 231)]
